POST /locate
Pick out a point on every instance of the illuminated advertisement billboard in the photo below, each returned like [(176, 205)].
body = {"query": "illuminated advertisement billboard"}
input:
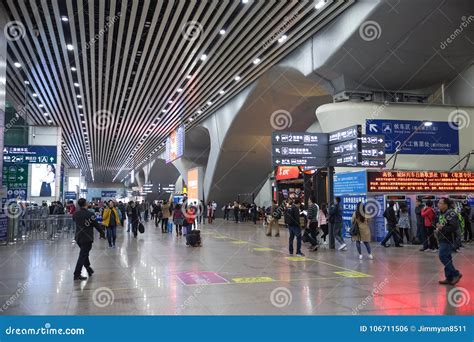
[(175, 144), (43, 177)]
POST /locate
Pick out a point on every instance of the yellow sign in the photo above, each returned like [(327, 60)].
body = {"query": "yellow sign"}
[(252, 280), (263, 249), (297, 258), (239, 242), (353, 274)]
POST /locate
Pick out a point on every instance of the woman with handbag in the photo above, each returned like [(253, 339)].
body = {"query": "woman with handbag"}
[(360, 230)]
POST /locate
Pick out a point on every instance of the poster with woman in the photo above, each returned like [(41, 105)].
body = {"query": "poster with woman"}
[(43, 178)]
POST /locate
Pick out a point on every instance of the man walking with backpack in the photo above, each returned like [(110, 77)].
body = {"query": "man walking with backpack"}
[(292, 219), (447, 229)]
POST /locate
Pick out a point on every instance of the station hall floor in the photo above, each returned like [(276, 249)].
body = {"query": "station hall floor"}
[(237, 271)]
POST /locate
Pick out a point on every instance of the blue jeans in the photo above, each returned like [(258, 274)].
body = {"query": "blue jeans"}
[(111, 235), (420, 233), (445, 251), (367, 245), (295, 231), (338, 227)]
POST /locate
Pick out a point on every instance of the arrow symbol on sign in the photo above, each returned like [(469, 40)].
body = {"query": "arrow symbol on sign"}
[(373, 128), (51, 159), (277, 138)]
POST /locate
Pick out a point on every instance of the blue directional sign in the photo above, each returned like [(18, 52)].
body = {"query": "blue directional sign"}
[(441, 138), (30, 154)]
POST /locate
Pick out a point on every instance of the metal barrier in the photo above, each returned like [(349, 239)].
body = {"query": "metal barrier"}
[(53, 227)]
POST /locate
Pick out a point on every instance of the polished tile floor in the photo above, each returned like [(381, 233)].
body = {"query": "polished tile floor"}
[(237, 271)]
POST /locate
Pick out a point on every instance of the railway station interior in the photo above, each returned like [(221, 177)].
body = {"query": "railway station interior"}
[(237, 157)]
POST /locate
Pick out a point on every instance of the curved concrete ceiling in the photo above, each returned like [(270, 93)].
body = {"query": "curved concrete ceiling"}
[(118, 76)]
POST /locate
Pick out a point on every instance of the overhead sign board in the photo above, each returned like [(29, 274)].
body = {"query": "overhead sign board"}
[(345, 134), (347, 147), (108, 194), (30, 154), (70, 196), (299, 151), (299, 138), (420, 181), (441, 138), (301, 161)]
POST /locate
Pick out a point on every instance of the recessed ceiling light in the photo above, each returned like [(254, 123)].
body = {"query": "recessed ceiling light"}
[(199, 111), (17, 65), (191, 119), (45, 114), (320, 4), (35, 95), (76, 85), (78, 96), (222, 32), (50, 121), (70, 47), (80, 106), (170, 101), (203, 57), (27, 82), (256, 61), (164, 110), (73, 69), (40, 105), (209, 103), (245, 1), (282, 38), (64, 18), (189, 77), (222, 92), (237, 78), (179, 90)]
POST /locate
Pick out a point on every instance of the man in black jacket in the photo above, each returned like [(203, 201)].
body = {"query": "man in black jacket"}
[(448, 225), (392, 222), (292, 219), (85, 224)]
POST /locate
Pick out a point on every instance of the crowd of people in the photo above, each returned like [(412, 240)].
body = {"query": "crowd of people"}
[(441, 229)]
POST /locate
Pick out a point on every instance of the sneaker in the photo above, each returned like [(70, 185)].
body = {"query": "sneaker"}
[(277, 235), (371, 257), (268, 234), (423, 249), (434, 250), (81, 278), (445, 282), (360, 256), (385, 245), (456, 279), (326, 242), (428, 250), (342, 246), (300, 254)]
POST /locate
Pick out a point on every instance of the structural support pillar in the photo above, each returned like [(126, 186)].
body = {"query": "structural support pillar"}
[(332, 240)]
